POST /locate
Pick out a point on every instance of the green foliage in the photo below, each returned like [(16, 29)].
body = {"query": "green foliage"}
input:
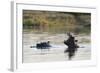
[(57, 21), (28, 22)]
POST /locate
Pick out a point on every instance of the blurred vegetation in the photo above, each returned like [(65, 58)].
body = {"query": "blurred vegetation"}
[(57, 22)]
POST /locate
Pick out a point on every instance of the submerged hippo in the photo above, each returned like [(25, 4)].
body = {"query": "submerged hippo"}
[(42, 45)]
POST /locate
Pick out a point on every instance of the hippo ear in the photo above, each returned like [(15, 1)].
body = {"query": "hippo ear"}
[(76, 40)]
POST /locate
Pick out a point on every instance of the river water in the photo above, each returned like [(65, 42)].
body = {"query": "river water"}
[(56, 53)]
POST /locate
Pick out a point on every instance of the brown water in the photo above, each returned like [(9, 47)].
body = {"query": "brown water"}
[(56, 53)]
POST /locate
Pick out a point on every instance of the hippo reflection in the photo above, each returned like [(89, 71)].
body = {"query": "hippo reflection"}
[(72, 46)]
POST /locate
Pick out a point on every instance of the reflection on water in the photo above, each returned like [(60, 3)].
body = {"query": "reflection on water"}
[(56, 53)]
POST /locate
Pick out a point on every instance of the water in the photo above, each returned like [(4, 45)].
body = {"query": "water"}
[(56, 53)]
